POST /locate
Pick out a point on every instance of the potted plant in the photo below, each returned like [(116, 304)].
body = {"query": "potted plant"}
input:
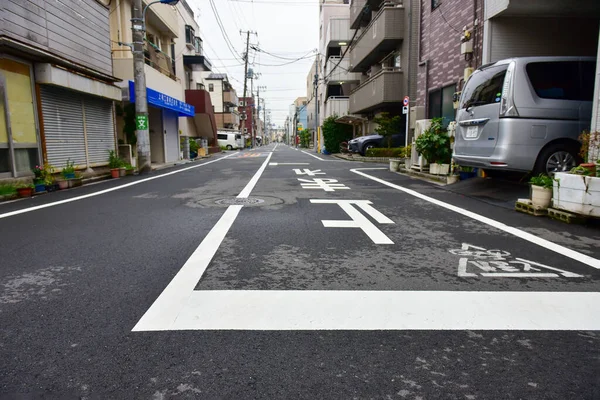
[(62, 183), (466, 172), (76, 181), (590, 142), (129, 169), (434, 145), (541, 190), (68, 172), (114, 163), (577, 192), (25, 189)]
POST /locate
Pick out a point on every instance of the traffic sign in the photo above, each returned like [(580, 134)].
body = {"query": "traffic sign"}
[(406, 99)]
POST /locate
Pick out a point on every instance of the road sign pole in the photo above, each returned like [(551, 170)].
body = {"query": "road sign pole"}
[(406, 103)]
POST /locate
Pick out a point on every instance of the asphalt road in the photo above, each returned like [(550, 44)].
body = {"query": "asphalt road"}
[(277, 273)]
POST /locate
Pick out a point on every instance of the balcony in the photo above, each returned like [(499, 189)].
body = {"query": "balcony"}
[(386, 87), (378, 39), (229, 97), (340, 74), (163, 18), (336, 106), (355, 12), (204, 117), (200, 61), (227, 120), (338, 31), (159, 61)]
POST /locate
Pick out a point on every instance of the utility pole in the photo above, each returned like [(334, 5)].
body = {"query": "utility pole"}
[(317, 103), (246, 58), (258, 106), (139, 76)]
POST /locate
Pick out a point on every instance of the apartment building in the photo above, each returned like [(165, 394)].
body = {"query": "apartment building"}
[(248, 112), (56, 85), (384, 53), (225, 101), (165, 91)]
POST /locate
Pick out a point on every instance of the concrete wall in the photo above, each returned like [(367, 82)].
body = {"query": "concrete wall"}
[(77, 30)]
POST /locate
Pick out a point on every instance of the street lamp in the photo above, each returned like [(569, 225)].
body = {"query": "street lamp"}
[(138, 28)]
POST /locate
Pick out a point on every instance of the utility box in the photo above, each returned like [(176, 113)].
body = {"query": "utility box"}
[(416, 113), (466, 47)]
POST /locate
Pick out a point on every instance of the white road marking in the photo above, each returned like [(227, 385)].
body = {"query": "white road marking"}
[(248, 189), (312, 155), (575, 255), (358, 220), (386, 310), (308, 172), (100, 192), (275, 148), (167, 306), (274, 164), (328, 185)]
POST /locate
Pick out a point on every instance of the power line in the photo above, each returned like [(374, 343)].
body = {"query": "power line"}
[(228, 41)]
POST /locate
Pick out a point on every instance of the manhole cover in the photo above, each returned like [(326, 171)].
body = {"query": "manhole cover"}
[(236, 201)]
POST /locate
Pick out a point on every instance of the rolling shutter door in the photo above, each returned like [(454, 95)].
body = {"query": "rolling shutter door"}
[(63, 126), (99, 128)]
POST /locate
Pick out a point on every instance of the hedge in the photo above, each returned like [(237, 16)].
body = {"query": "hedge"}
[(397, 152)]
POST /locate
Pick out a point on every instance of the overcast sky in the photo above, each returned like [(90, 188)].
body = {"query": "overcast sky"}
[(286, 28)]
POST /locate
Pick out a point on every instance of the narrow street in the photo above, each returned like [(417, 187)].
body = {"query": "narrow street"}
[(280, 273)]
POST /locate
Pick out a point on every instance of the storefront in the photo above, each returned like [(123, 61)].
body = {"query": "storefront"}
[(76, 117), (19, 133), (163, 120)]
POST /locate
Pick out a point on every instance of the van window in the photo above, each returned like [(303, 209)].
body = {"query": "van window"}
[(238, 136), (484, 86), (588, 77), (555, 80), (222, 136)]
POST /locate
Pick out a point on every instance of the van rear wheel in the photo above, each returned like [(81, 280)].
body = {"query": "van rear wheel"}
[(229, 147), (556, 158)]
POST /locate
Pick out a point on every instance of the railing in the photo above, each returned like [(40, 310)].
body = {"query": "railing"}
[(387, 86), (341, 73), (338, 30), (336, 105), (159, 61)]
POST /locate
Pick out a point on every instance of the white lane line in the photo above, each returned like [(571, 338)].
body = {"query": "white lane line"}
[(312, 155), (275, 148), (274, 164), (387, 310), (100, 192), (248, 189), (165, 309), (575, 255)]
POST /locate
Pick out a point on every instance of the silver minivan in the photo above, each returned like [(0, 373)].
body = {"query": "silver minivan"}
[(525, 114)]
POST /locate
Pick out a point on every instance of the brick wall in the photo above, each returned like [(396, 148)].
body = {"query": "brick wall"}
[(440, 33)]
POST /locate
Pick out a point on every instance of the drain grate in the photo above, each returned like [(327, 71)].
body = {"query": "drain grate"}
[(237, 201)]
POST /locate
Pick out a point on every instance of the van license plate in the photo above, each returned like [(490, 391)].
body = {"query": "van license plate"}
[(471, 132)]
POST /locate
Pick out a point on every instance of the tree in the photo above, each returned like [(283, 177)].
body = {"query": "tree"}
[(388, 126), (335, 133), (305, 138)]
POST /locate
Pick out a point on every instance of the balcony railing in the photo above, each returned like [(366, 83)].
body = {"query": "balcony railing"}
[(230, 97), (386, 87), (336, 106), (159, 61), (340, 74), (378, 39), (356, 10), (338, 31)]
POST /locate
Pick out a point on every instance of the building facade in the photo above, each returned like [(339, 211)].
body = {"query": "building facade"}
[(56, 85), (224, 100)]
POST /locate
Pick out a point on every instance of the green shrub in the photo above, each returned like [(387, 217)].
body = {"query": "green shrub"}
[(542, 180), (394, 152), (388, 126), (335, 133), (7, 189), (194, 146), (434, 143)]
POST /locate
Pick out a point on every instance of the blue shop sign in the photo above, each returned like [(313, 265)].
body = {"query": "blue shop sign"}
[(162, 100)]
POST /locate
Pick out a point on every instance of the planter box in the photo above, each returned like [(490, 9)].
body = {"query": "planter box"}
[(577, 194), (394, 165), (434, 168)]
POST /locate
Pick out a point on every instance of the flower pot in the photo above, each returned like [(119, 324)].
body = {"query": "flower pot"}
[(452, 179), (40, 187), (434, 168), (394, 165), (129, 172), (590, 167), (541, 196), (75, 182), (25, 192), (63, 185), (577, 194), (69, 175), (114, 172), (443, 169), (407, 163), (466, 175), (122, 171)]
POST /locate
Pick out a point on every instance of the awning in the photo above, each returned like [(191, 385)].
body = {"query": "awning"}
[(161, 100), (49, 74), (351, 120)]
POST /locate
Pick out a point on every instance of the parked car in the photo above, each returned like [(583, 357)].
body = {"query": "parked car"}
[(525, 114), (229, 139), (363, 143)]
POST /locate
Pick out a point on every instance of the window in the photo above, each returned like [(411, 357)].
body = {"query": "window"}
[(198, 45), (211, 87), (242, 103), (441, 104), (588, 74), (556, 80), (189, 34), (221, 136), (484, 87), (200, 86), (435, 4)]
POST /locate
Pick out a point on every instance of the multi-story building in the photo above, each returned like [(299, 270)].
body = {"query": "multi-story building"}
[(248, 113), (56, 85), (384, 52), (165, 87), (225, 101)]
